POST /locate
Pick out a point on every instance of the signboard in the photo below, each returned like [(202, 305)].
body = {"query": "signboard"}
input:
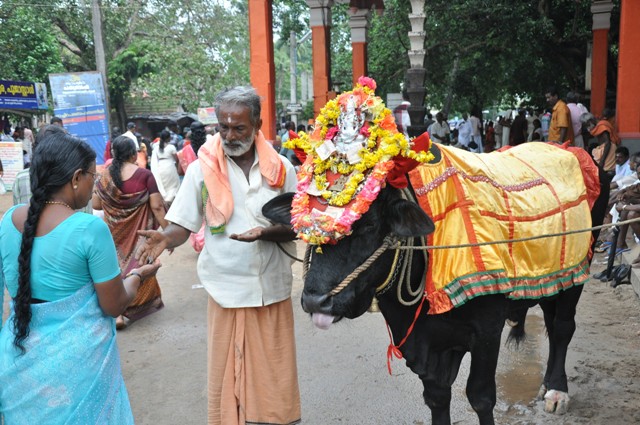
[(207, 116), (294, 107), (12, 161), (79, 99), (23, 95), (88, 123)]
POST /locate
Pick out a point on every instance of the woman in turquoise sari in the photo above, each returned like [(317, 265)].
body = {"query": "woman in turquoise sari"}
[(59, 361)]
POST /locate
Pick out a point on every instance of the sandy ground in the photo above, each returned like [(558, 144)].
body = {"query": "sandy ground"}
[(342, 372)]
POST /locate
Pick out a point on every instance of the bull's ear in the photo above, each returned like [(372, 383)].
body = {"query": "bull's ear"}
[(278, 210), (407, 219)]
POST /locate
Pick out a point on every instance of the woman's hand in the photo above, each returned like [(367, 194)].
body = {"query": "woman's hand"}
[(155, 242), (148, 270)]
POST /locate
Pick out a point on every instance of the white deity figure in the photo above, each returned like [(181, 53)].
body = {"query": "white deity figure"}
[(350, 123)]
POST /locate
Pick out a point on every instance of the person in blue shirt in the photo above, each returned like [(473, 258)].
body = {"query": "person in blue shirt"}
[(59, 360)]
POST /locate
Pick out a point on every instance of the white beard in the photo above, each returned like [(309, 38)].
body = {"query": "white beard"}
[(238, 147)]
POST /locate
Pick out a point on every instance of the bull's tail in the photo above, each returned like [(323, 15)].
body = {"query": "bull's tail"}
[(516, 317), (517, 334)]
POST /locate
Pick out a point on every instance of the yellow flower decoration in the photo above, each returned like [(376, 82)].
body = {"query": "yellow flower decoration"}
[(383, 142)]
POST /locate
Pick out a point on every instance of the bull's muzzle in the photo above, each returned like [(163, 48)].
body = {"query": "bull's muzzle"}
[(312, 303)]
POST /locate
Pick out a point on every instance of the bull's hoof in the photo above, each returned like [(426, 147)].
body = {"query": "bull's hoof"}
[(556, 402)]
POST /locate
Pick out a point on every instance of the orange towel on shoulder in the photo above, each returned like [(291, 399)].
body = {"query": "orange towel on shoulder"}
[(213, 161)]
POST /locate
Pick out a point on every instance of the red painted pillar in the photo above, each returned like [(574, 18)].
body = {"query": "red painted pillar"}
[(262, 66), (359, 60), (320, 22), (628, 99), (359, 23), (601, 11)]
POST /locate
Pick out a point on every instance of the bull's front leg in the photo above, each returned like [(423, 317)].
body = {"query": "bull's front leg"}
[(481, 385), (442, 371)]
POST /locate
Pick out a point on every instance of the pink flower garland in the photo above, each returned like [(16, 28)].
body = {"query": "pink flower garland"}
[(317, 228)]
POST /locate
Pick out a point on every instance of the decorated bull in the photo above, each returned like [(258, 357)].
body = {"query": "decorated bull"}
[(368, 202)]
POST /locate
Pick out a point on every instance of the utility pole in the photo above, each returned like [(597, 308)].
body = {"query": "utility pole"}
[(293, 69), (101, 63)]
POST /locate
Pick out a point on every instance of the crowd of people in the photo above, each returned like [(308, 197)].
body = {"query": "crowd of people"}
[(97, 272)]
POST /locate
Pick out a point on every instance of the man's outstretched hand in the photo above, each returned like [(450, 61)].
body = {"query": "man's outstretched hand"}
[(248, 236), (155, 242)]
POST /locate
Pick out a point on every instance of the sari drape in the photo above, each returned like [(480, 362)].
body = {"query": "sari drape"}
[(70, 373), (125, 214)]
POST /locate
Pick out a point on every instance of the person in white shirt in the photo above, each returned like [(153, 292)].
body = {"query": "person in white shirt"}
[(624, 175), (439, 130), (131, 129), (577, 109), (246, 276), (465, 132), (476, 134), (401, 114)]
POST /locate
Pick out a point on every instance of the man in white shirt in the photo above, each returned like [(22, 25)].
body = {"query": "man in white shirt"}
[(247, 277), (131, 129), (625, 175), (465, 132), (439, 130), (476, 133)]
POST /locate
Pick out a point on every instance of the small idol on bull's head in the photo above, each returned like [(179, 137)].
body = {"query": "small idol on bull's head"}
[(348, 157), (350, 124)]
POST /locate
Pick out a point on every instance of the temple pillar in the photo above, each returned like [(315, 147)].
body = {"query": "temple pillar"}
[(262, 66), (415, 75), (320, 22), (628, 105), (601, 11), (359, 23)]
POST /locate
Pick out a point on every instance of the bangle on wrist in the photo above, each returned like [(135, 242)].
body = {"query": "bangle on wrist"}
[(132, 273)]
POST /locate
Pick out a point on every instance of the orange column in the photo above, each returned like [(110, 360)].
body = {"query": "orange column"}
[(601, 11), (359, 23), (628, 99), (359, 60), (320, 22), (261, 63)]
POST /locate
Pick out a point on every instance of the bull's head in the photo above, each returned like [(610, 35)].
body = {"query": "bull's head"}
[(389, 215)]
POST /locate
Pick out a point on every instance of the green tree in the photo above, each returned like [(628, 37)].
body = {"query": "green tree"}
[(202, 51), (29, 50)]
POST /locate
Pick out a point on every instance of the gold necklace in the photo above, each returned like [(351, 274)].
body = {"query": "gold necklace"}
[(64, 204)]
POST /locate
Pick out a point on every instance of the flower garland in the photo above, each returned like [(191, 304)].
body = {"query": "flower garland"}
[(362, 177)]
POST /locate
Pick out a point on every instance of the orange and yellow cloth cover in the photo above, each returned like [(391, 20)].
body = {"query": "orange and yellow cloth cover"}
[(529, 190)]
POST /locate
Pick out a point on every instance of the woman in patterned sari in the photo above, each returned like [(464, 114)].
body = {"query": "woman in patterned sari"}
[(130, 199), (59, 361), (186, 156)]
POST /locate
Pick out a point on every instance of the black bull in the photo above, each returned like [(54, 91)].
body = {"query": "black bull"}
[(437, 344)]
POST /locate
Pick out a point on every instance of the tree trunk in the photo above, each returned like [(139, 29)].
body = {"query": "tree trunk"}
[(452, 79), (121, 113)]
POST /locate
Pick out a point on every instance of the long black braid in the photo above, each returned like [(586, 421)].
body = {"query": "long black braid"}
[(123, 149), (54, 163), (198, 136), (165, 136)]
